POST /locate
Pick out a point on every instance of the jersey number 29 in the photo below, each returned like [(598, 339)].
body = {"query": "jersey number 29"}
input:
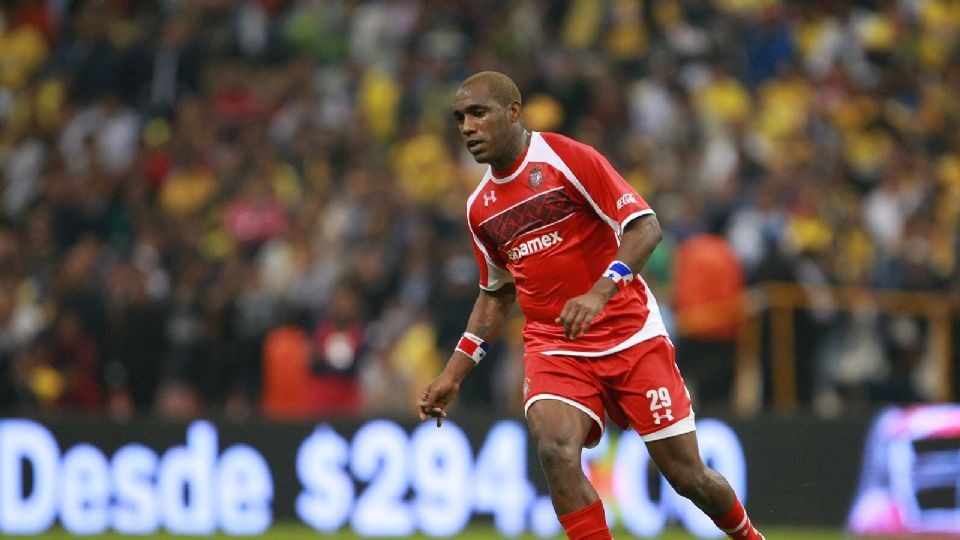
[(659, 398)]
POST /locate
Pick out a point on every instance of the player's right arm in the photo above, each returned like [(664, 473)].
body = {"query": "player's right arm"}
[(489, 312)]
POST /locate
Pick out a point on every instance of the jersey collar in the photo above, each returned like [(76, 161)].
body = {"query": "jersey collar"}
[(511, 172)]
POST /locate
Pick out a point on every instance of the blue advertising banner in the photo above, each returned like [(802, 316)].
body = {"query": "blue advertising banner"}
[(382, 477)]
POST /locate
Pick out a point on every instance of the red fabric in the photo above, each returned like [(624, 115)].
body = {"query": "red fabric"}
[(587, 523), (286, 372), (616, 385), (333, 395), (737, 524), (708, 288), (468, 346), (551, 226)]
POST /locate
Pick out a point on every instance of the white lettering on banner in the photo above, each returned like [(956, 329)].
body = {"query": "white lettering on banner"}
[(85, 492), (25, 441), (187, 490), (441, 465), (189, 469), (136, 510), (500, 485), (382, 480), (246, 490), (328, 493), (626, 199), (534, 245), (380, 456)]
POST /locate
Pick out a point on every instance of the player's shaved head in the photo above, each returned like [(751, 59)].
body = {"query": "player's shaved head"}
[(501, 88), (487, 110)]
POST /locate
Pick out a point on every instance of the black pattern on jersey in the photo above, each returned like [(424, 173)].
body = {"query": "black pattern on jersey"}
[(531, 214)]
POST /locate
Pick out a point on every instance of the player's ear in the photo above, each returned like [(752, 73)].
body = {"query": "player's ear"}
[(514, 111)]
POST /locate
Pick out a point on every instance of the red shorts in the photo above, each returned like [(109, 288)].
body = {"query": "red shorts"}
[(639, 387)]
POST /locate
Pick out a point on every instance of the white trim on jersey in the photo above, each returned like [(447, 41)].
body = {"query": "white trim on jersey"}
[(633, 216), (476, 191), (555, 160), (534, 196), (496, 276), (520, 168), (686, 425), (575, 404), (652, 328)]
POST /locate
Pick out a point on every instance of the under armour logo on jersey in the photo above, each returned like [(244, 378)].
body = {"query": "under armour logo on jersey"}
[(489, 198), (657, 417)]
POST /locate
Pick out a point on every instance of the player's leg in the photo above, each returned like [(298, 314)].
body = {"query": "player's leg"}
[(565, 413), (678, 459), (559, 431), (655, 400)]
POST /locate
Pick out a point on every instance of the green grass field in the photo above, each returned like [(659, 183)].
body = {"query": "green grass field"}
[(299, 532)]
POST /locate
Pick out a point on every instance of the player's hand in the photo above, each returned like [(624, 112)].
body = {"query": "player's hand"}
[(579, 312), (435, 398)]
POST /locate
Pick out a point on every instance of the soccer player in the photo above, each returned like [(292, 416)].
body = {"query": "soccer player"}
[(557, 228)]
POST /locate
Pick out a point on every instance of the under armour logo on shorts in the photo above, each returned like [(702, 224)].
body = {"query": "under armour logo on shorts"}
[(657, 417)]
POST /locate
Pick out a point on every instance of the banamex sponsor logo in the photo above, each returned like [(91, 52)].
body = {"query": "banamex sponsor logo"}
[(534, 245)]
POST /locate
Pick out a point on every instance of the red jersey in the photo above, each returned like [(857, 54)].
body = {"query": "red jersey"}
[(552, 225)]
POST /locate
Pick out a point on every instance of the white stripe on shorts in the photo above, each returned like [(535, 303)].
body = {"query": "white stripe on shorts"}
[(586, 410), (686, 425)]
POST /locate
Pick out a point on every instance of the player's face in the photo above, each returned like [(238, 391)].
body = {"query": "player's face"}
[(485, 125)]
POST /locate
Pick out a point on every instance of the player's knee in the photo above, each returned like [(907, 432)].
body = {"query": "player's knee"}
[(689, 482), (558, 453)]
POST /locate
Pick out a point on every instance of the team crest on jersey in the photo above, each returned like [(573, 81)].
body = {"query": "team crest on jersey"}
[(536, 178)]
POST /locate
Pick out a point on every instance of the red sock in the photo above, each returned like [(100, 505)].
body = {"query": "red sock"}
[(736, 523), (587, 523)]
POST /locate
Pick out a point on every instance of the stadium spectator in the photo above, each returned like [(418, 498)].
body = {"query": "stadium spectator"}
[(708, 303)]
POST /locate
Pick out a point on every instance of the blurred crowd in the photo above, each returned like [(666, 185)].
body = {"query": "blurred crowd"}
[(257, 206)]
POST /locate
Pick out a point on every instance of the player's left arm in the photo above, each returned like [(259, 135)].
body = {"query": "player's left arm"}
[(640, 236)]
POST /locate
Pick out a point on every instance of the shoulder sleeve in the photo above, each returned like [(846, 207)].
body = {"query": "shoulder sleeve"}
[(493, 270), (611, 197)]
